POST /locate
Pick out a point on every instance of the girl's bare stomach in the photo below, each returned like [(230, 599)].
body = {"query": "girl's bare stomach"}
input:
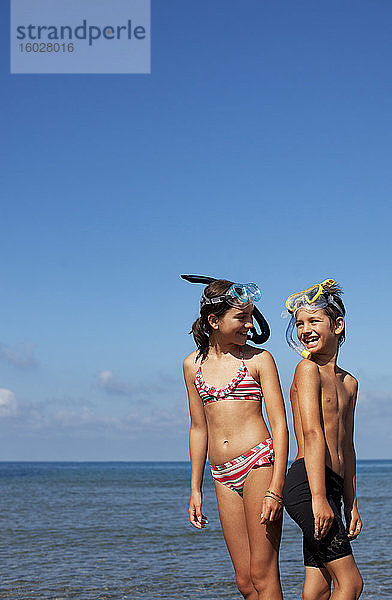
[(233, 430)]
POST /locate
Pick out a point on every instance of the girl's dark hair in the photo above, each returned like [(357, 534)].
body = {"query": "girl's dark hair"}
[(201, 328), (332, 312)]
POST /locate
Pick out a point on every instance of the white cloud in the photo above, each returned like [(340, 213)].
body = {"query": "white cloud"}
[(111, 384), (377, 404), (373, 424), (8, 404), (108, 382), (23, 357), (84, 417), (59, 416)]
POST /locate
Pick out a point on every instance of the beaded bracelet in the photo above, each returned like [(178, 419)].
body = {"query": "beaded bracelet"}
[(276, 499), (275, 494)]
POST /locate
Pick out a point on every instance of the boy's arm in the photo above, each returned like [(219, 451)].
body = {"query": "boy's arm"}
[(308, 387), (353, 520), (197, 446)]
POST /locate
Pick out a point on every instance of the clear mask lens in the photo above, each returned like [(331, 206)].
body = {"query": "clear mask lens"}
[(254, 292), (306, 297), (239, 294), (245, 293), (320, 302)]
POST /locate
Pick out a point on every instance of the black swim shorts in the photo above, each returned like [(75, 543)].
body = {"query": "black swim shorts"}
[(298, 503)]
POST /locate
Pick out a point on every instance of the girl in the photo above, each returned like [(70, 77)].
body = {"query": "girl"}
[(226, 381)]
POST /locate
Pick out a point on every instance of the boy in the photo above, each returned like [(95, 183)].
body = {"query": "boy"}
[(323, 398)]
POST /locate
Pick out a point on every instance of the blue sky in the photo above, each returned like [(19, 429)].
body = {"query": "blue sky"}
[(258, 149)]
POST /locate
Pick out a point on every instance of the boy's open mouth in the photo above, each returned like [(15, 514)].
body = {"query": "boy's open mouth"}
[(310, 341)]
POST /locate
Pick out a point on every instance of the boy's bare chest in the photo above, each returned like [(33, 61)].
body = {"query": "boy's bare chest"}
[(334, 397)]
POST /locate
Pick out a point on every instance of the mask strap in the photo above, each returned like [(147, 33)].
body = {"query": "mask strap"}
[(331, 300)]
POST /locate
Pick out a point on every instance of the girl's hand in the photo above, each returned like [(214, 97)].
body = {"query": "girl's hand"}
[(271, 511), (323, 517), (353, 522), (196, 517)]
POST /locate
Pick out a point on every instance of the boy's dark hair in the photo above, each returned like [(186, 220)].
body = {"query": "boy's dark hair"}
[(201, 328), (332, 312)]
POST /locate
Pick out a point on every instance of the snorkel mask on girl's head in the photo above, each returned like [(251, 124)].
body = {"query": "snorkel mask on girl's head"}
[(238, 295), (313, 298)]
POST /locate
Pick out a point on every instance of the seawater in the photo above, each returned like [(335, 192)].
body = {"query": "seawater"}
[(97, 531)]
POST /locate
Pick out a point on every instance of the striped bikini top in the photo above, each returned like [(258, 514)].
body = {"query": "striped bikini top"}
[(242, 387)]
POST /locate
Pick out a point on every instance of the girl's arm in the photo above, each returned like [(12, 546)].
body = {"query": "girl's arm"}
[(197, 444), (353, 520), (274, 404), (308, 387)]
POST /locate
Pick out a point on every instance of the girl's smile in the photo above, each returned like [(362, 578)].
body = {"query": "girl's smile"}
[(243, 335), (235, 324)]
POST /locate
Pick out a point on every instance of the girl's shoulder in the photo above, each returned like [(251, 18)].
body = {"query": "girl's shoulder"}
[(191, 362), (259, 360), (256, 355), (249, 352)]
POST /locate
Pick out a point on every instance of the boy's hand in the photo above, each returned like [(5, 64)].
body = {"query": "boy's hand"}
[(323, 517), (196, 517), (353, 522)]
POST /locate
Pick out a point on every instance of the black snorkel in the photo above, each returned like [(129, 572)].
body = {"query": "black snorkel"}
[(254, 336)]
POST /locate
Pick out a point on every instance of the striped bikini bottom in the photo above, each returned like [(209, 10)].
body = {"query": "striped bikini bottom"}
[(234, 472)]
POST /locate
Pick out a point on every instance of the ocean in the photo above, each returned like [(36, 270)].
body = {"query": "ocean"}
[(119, 530)]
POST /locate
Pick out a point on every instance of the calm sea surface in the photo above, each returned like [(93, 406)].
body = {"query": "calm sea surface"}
[(94, 531)]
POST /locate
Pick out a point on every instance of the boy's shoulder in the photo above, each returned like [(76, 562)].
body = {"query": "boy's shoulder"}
[(349, 381), (306, 368), (306, 373)]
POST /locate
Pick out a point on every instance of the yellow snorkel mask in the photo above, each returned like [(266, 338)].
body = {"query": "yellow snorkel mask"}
[(312, 298)]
